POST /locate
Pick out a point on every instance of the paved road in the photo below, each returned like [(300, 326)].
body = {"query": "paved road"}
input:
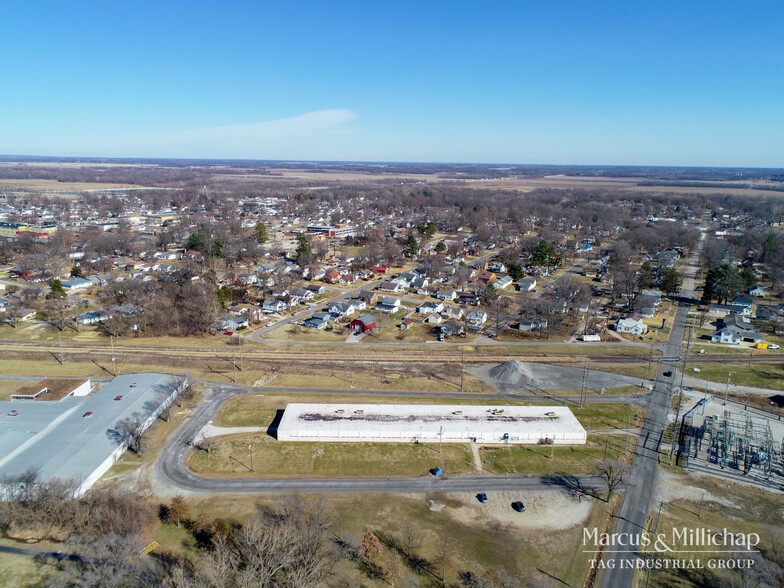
[(170, 475), (637, 498)]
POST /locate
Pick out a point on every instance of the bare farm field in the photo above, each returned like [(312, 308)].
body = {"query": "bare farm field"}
[(54, 187)]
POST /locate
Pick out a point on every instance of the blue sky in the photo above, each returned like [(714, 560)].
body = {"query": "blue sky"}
[(649, 83)]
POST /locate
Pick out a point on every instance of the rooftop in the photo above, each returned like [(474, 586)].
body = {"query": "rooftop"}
[(450, 423)]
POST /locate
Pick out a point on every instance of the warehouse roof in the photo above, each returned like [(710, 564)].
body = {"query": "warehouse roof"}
[(70, 439), (405, 422)]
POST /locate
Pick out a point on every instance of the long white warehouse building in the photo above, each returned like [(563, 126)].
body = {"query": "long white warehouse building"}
[(425, 422)]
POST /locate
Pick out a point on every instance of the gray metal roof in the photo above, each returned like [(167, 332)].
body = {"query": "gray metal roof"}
[(55, 436)]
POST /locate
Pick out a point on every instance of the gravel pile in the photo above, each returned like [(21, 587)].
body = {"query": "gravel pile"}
[(513, 372)]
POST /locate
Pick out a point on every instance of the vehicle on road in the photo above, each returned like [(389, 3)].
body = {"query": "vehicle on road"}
[(481, 497), (118, 397), (667, 374), (772, 346), (16, 412), (228, 332), (518, 506), (271, 323), (88, 414)]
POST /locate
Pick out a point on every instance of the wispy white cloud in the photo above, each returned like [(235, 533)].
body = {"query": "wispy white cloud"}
[(254, 140)]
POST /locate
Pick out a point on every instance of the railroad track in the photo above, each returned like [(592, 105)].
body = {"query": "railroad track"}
[(342, 354)]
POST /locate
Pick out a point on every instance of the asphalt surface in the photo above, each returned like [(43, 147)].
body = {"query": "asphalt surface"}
[(170, 474), (637, 499)]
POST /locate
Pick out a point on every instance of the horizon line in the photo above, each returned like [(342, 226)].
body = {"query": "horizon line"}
[(5, 157)]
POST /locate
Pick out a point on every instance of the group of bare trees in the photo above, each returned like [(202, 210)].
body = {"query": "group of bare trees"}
[(47, 509)]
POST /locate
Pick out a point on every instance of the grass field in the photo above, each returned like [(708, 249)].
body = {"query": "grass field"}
[(40, 185), (272, 458), (380, 379), (21, 571), (291, 459), (538, 459), (255, 409), (762, 375), (8, 387)]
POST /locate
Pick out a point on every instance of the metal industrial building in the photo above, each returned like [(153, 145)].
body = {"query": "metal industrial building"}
[(414, 423), (75, 438)]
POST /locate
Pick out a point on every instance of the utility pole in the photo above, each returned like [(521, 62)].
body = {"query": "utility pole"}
[(751, 357), (114, 368), (727, 389), (250, 448), (628, 426), (462, 368), (440, 438), (242, 364), (234, 363), (585, 379), (60, 341), (650, 359), (606, 443), (676, 426)]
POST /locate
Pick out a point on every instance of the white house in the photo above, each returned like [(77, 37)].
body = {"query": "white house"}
[(446, 294), (93, 317), (757, 291), (434, 319), (76, 284), (726, 336), (430, 307), (476, 318), (630, 325), (389, 304), (234, 322), (272, 305), (503, 282), (526, 284), (342, 309)]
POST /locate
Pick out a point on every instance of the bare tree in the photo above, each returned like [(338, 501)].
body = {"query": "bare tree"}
[(614, 473), (131, 432)]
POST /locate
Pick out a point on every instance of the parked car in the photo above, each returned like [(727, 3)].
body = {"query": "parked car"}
[(518, 506), (667, 374), (16, 412), (772, 346), (228, 332), (271, 323), (481, 497)]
